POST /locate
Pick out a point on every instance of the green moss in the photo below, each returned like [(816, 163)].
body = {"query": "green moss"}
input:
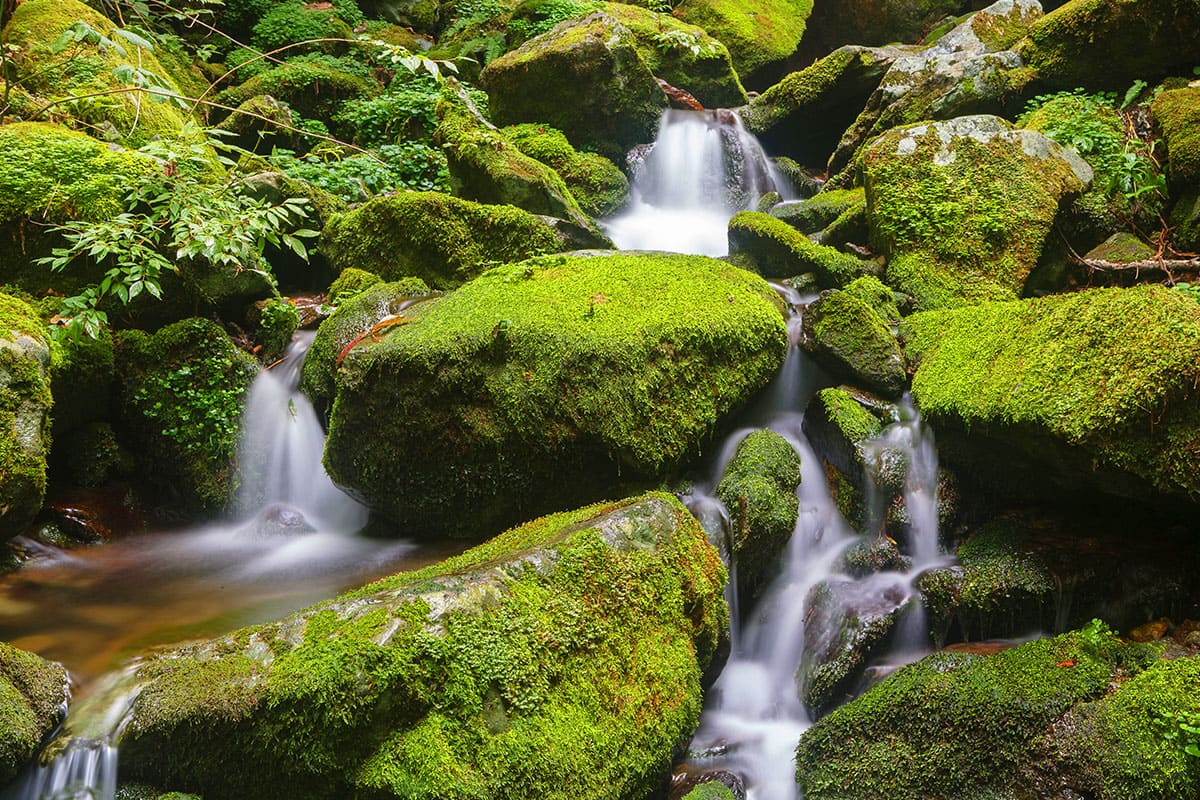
[(780, 251), (798, 90), (181, 395), (560, 660), (32, 694), (1178, 114), (312, 87), (82, 382), (759, 489), (965, 220), (856, 423), (758, 33), (875, 294), (350, 283), (851, 337), (595, 182), (292, 22), (277, 322), (37, 24), (951, 725), (710, 790), (817, 212), (432, 236), (1111, 371), (543, 380)]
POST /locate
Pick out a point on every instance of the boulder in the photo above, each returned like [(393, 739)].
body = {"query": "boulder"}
[(1108, 44), (33, 701), (181, 395), (806, 113), (815, 213), (584, 77), (1185, 219), (313, 88), (1177, 112), (540, 383), (442, 240), (876, 22), (759, 491), (595, 182), (1096, 389), (962, 208), (852, 339), (959, 726), (969, 70), (561, 659), (777, 250), (760, 34), (25, 361)]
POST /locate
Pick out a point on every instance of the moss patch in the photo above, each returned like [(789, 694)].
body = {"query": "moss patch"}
[(350, 283), (817, 212), (759, 33), (1178, 114), (779, 251), (32, 694), (848, 334), (595, 182)]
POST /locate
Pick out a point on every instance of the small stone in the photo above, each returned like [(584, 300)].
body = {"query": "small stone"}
[(1151, 631)]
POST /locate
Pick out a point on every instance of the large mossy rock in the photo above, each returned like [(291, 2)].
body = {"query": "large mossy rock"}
[(595, 182), (1096, 388), (33, 701), (1108, 44), (760, 34), (962, 208), (851, 338), (814, 214), (876, 22), (181, 392), (584, 77), (442, 240), (759, 491), (25, 362), (539, 384), (961, 726), (969, 70), (777, 250), (44, 71), (560, 660), (312, 88), (1177, 112)]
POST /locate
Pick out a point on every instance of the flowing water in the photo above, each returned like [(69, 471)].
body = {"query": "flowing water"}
[(292, 543)]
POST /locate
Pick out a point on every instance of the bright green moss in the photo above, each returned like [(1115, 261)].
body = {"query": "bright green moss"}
[(33, 693), (277, 322), (710, 790), (560, 660), (759, 490), (817, 212), (181, 395), (1110, 370), (1178, 114), (350, 283), (779, 250), (292, 22), (440, 239), (595, 182), (856, 423), (849, 335), (547, 379), (800, 89), (875, 294), (313, 88), (758, 33)]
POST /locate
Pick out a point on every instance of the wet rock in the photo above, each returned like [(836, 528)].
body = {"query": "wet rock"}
[(592, 626), (279, 520), (777, 250), (838, 422), (854, 341), (691, 782), (33, 701), (1121, 248), (1151, 631), (874, 554)]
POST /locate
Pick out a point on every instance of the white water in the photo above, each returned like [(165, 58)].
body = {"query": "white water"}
[(703, 168)]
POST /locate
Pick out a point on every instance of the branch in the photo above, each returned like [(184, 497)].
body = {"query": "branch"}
[(1164, 264)]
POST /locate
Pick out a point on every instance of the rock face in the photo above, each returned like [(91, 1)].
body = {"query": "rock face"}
[(969, 70), (962, 208), (542, 382), (33, 701), (585, 78), (1097, 388), (440, 239), (848, 335), (1066, 717), (25, 358), (560, 660), (759, 491), (760, 34)]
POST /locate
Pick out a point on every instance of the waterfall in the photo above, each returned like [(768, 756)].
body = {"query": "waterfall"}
[(703, 168)]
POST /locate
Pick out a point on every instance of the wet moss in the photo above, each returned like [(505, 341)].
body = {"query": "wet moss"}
[(442, 240), (779, 251), (855, 422), (561, 660), (875, 294), (545, 380), (710, 790), (595, 182), (1178, 114), (33, 697), (759, 33)]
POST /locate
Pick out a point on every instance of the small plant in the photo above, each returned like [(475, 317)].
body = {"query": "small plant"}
[(673, 39), (1188, 289), (1181, 729), (1100, 641)]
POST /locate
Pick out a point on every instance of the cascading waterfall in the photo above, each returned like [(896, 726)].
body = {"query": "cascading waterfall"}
[(703, 168)]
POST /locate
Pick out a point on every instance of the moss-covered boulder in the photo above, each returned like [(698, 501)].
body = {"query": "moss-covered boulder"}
[(82, 382), (806, 113), (25, 360), (353, 318), (969, 70), (777, 250), (838, 422), (485, 166), (683, 55), (815, 213), (1096, 388), (760, 34), (962, 208), (595, 182), (350, 283), (181, 392), (541, 383), (759, 491), (584, 77), (314, 87), (86, 68), (560, 660), (33, 699), (960, 726), (853, 339), (442, 240), (877, 22), (1108, 44), (1177, 112), (1185, 219)]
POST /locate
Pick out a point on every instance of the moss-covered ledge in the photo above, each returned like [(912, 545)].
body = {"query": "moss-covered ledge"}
[(560, 660)]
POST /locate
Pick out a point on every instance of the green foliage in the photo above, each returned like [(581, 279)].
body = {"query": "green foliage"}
[(292, 22), (1181, 729), (406, 111), (409, 165), (1188, 290), (535, 17), (181, 213), (277, 321), (693, 42)]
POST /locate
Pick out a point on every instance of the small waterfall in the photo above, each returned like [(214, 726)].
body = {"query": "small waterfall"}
[(703, 168)]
